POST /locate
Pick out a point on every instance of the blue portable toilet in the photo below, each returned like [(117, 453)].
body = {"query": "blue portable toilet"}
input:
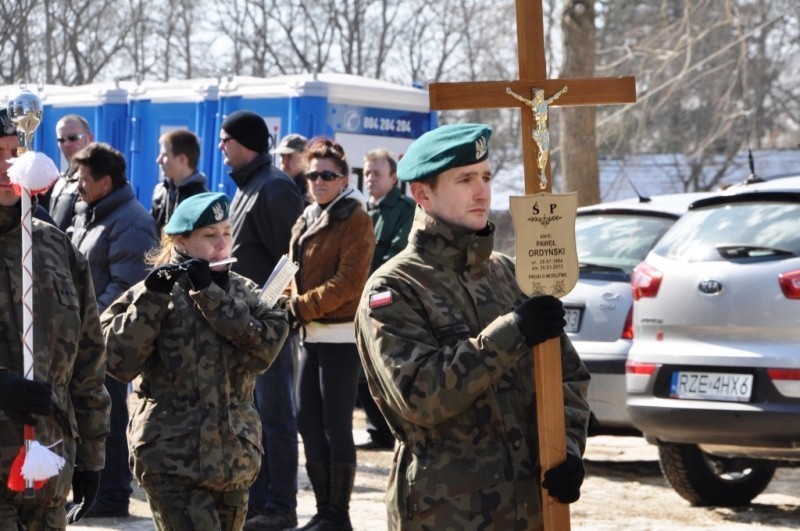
[(155, 108), (358, 112), (103, 106)]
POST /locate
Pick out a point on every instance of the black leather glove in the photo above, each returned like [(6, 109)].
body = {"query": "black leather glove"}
[(162, 278), (198, 272), (276, 313), (564, 481), (85, 484), (540, 318), (21, 398)]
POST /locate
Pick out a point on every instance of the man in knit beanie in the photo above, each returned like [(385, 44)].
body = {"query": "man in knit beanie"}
[(266, 204), (248, 129)]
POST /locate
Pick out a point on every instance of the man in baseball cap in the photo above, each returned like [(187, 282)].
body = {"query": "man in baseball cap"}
[(291, 151)]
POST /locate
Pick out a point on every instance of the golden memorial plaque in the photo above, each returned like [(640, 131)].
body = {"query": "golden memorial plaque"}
[(547, 258)]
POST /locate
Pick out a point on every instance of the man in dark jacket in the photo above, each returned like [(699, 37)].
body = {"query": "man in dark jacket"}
[(266, 205), (392, 214), (114, 232), (177, 158), (72, 135)]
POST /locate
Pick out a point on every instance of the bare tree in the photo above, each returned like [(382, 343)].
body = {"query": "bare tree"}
[(431, 28), (87, 36), (578, 138), (16, 41), (711, 74), (366, 32)]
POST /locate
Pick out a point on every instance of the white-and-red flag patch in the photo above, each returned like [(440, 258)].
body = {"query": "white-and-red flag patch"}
[(376, 300)]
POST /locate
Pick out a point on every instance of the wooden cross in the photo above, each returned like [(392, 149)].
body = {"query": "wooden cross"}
[(492, 95)]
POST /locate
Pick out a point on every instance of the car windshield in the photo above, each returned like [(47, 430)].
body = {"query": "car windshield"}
[(616, 241), (748, 230)]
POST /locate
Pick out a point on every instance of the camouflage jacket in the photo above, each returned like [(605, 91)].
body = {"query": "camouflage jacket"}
[(67, 349), (451, 373), (198, 354)]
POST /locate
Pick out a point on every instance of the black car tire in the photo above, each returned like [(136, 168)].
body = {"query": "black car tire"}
[(704, 479)]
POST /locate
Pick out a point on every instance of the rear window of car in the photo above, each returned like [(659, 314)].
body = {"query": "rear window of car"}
[(744, 230), (620, 241)]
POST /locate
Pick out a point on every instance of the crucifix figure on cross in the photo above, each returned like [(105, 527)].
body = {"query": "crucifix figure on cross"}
[(494, 94), (540, 133)]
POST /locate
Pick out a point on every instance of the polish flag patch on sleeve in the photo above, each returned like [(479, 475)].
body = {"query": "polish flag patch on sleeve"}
[(376, 300)]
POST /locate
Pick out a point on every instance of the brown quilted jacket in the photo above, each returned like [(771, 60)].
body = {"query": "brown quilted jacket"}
[(334, 256)]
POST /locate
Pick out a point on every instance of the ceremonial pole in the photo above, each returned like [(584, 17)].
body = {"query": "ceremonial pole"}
[(25, 110)]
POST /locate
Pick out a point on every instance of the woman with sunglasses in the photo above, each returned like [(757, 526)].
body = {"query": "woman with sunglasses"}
[(332, 242)]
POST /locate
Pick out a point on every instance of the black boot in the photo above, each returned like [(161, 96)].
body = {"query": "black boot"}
[(337, 513), (319, 474)]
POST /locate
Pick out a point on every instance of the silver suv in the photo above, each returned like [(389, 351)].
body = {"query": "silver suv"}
[(612, 238), (713, 377)]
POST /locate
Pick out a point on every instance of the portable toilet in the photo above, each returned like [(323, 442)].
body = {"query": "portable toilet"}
[(103, 107), (155, 108), (358, 112)]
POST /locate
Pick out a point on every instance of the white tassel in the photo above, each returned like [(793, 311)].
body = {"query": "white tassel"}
[(33, 171), (41, 463)]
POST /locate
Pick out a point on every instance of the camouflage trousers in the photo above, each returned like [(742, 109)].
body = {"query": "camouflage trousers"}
[(178, 507), (31, 517), (494, 508)]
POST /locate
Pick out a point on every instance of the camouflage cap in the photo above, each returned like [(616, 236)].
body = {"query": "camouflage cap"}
[(449, 146), (7, 127), (198, 211)]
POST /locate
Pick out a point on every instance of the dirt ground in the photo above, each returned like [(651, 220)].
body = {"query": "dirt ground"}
[(624, 490)]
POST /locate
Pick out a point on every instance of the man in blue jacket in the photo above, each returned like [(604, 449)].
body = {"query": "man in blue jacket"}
[(114, 231)]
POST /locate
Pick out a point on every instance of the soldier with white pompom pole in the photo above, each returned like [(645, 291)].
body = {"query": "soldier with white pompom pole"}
[(32, 173), (51, 379)]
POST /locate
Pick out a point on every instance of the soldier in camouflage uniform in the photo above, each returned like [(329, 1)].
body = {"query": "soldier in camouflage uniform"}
[(445, 336), (68, 397), (198, 337)]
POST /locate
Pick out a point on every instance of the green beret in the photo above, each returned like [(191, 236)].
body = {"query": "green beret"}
[(198, 211), (448, 146)]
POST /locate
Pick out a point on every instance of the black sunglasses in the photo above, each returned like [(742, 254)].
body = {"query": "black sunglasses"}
[(325, 175), (71, 138)]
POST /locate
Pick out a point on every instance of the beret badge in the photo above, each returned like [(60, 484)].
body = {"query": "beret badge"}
[(219, 212), (480, 148)]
